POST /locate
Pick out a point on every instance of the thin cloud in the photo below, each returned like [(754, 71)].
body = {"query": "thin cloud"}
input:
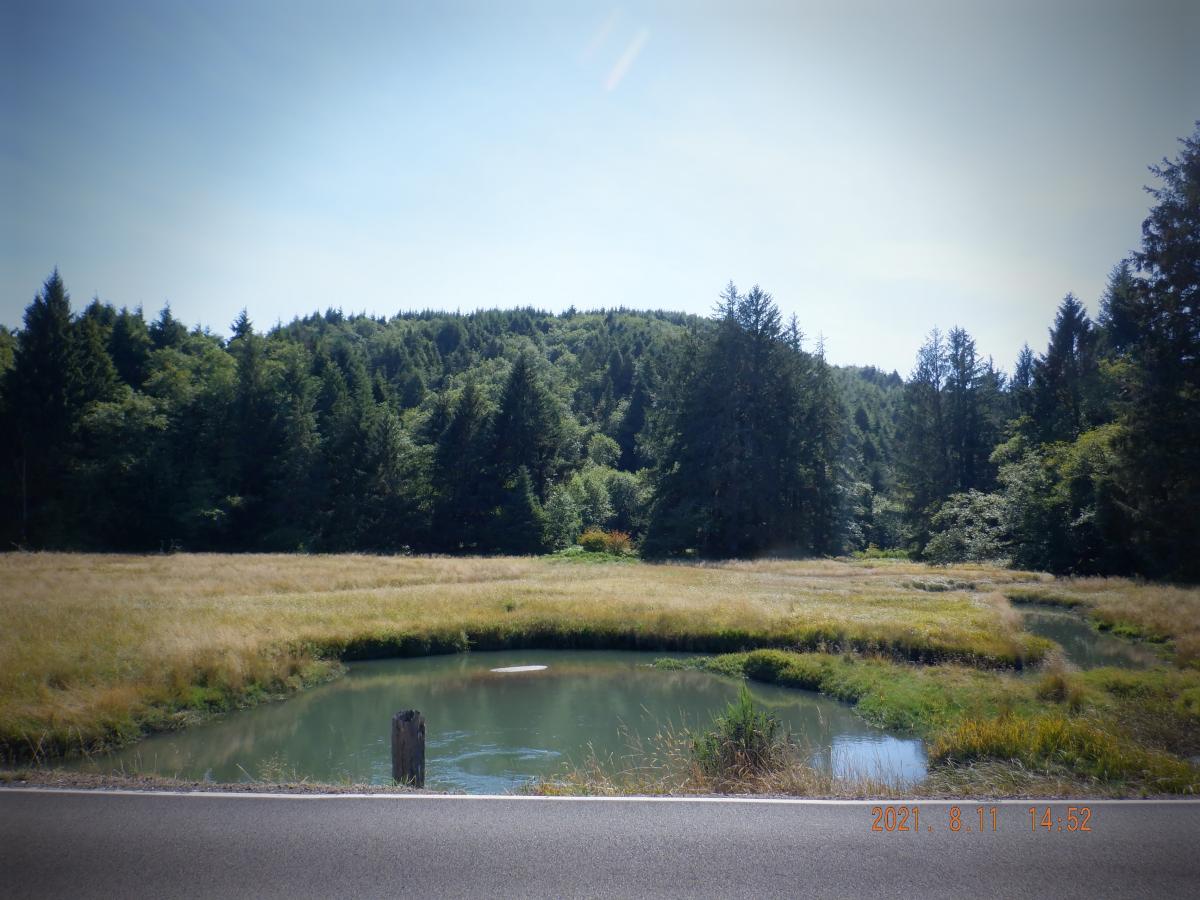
[(600, 36), (623, 65)]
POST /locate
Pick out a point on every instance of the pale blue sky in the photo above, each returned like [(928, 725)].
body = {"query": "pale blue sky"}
[(880, 167)]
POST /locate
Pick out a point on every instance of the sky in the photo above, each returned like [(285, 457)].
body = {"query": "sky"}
[(880, 168)]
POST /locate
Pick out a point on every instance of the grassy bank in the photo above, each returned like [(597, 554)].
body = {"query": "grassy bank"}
[(1108, 731), (97, 648)]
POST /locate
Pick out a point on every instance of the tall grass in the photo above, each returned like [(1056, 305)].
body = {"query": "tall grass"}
[(742, 751), (743, 741), (97, 648), (1079, 746), (1129, 731)]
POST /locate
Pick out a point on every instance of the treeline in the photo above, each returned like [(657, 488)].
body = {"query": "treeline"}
[(515, 430), (1087, 459)]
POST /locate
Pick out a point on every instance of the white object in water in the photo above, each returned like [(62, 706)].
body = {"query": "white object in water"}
[(506, 669)]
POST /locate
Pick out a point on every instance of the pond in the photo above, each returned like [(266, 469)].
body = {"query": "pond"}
[(1082, 644), (489, 732)]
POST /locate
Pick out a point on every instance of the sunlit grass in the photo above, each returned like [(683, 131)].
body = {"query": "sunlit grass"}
[(95, 649), (1125, 732)]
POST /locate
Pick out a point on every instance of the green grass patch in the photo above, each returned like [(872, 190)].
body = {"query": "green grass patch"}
[(1081, 747), (1130, 730), (885, 693), (874, 552), (1044, 596), (579, 554)]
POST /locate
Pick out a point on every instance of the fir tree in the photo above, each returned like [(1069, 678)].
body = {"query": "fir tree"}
[(1161, 445), (528, 427)]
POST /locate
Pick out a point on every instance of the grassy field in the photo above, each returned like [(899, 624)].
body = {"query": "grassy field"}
[(96, 649)]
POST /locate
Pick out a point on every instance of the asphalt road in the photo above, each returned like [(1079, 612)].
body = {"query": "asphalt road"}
[(105, 844)]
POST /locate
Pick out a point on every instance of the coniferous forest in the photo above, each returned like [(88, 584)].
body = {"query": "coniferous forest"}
[(513, 431)]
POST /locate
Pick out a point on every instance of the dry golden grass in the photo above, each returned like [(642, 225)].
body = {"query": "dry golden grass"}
[(96, 647)]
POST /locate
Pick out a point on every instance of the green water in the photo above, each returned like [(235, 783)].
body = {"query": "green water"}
[(1082, 644), (489, 732)]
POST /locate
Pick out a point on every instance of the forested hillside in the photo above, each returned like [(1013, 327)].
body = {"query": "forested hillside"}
[(514, 430)]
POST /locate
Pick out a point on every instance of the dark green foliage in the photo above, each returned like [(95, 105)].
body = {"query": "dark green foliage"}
[(1066, 381), (8, 350), (521, 524), (130, 346), (1161, 382), (1102, 475), (43, 393), (464, 498), (1119, 310), (528, 429), (168, 332), (1065, 507), (749, 442), (1021, 386), (952, 414)]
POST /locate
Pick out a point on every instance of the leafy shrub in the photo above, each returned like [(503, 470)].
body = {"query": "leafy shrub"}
[(617, 542), (603, 450), (596, 540), (968, 527), (741, 741), (564, 520), (873, 552)]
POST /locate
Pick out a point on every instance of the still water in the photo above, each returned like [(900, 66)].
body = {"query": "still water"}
[(1082, 644), (491, 731)]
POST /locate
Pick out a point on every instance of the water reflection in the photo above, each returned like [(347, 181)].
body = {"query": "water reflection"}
[(489, 732), (1082, 644)]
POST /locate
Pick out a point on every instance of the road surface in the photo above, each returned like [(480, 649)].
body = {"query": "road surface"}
[(93, 843)]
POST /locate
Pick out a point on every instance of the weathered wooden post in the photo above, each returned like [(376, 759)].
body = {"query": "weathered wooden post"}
[(408, 748)]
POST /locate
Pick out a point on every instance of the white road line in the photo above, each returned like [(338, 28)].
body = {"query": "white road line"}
[(785, 801)]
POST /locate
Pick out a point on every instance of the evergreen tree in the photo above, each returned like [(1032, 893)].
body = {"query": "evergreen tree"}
[(521, 524), (293, 491), (951, 419), (1119, 312), (341, 432), (43, 389), (632, 422), (1066, 381), (465, 492), (528, 427), (1161, 444), (250, 443), (925, 470), (741, 467), (129, 345), (168, 332), (97, 375), (1022, 382)]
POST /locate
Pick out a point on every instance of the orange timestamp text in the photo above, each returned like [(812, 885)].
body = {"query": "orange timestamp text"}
[(974, 820)]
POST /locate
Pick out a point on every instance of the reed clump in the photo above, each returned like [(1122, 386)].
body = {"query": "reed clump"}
[(743, 741)]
